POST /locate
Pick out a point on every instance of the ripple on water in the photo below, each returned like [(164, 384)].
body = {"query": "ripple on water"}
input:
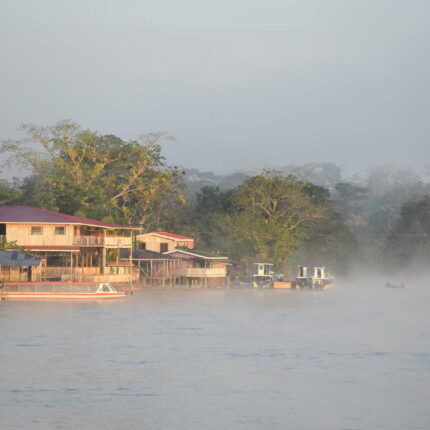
[(248, 361)]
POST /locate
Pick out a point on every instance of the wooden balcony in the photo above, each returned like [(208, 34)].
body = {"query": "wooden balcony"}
[(118, 242), (88, 240), (103, 241), (83, 274), (198, 272)]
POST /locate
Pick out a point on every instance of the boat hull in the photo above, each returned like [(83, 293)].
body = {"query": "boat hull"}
[(43, 296), (59, 290)]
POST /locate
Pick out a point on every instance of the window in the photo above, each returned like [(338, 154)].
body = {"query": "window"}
[(164, 247), (60, 230), (141, 245), (36, 230)]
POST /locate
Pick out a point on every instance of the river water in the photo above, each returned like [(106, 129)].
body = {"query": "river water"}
[(355, 357)]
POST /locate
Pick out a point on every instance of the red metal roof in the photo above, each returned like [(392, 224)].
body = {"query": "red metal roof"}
[(187, 254), (172, 235), (27, 215)]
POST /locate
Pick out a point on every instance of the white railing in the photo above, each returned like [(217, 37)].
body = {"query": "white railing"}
[(83, 274), (88, 240), (117, 241), (108, 241), (197, 272)]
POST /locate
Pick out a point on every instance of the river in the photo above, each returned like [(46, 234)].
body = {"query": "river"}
[(355, 357)]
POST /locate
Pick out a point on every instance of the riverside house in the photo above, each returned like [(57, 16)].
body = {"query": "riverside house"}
[(157, 269), (71, 248), (163, 241), (169, 259), (201, 267)]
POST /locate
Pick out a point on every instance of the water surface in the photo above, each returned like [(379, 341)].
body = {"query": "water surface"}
[(355, 357)]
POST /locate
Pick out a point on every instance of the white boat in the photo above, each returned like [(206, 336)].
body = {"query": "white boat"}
[(263, 275), (321, 279), (59, 290)]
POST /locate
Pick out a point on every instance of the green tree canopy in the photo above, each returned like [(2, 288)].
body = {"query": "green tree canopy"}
[(80, 172), (273, 216), (9, 193)]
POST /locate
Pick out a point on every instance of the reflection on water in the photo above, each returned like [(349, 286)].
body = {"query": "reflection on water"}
[(356, 357)]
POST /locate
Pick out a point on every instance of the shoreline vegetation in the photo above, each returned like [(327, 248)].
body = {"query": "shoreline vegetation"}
[(306, 214)]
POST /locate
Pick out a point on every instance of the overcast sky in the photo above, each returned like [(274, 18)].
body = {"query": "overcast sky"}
[(239, 83)]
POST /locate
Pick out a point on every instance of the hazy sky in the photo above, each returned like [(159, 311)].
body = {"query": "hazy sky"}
[(239, 83)]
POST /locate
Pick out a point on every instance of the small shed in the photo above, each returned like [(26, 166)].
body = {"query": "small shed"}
[(16, 266)]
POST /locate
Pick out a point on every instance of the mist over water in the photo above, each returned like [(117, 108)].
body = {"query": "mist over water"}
[(355, 357)]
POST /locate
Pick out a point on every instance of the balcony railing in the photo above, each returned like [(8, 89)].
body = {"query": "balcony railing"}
[(88, 240), (83, 274), (108, 241), (117, 241), (197, 272)]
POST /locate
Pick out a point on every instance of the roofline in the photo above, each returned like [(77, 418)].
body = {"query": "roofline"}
[(149, 259), (196, 255), (185, 238), (119, 227), (40, 249), (66, 219)]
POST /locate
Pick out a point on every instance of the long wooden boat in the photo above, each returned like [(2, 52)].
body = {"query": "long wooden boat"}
[(59, 290)]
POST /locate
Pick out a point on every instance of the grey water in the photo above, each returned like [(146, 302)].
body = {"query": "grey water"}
[(355, 357)]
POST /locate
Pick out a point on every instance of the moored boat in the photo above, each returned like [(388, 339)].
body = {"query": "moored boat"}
[(59, 290), (263, 275), (321, 279)]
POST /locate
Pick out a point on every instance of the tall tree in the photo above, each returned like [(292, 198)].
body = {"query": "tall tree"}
[(272, 215), (80, 172)]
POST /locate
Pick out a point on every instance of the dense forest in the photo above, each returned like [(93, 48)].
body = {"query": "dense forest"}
[(308, 213)]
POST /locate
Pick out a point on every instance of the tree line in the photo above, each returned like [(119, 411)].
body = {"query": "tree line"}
[(291, 215)]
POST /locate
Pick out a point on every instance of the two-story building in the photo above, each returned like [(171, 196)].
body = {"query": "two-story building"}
[(70, 247)]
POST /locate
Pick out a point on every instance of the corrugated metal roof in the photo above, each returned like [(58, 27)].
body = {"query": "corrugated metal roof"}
[(173, 235), (15, 258), (206, 255), (144, 254), (169, 235), (28, 214)]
